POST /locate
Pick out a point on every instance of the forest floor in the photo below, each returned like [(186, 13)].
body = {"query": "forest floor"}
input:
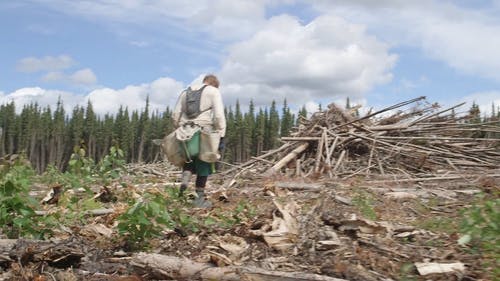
[(353, 229)]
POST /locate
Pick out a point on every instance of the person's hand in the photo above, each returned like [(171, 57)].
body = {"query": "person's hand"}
[(222, 145)]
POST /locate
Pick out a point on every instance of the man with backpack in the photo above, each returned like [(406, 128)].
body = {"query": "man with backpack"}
[(200, 109)]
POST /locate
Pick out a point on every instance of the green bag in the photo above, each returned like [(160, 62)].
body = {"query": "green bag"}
[(191, 147)]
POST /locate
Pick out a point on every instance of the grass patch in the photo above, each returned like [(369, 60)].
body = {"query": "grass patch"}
[(439, 224), (365, 203)]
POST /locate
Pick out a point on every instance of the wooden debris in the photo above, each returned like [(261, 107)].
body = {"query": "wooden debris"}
[(168, 267), (425, 268), (293, 154), (417, 139), (96, 212), (284, 230), (53, 195), (314, 187)]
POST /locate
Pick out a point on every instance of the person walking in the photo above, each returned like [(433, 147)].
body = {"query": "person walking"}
[(200, 107)]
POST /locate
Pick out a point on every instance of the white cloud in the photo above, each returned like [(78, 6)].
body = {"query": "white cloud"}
[(47, 63), (162, 92), (466, 38), (53, 76), (42, 97), (222, 19), (83, 77), (219, 18), (325, 59), (311, 107)]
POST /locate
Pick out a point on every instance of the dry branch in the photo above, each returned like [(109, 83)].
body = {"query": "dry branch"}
[(416, 138)]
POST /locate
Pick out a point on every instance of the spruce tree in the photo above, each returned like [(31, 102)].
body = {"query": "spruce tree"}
[(231, 136), (89, 130), (286, 120), (274, 126), (260, 132)]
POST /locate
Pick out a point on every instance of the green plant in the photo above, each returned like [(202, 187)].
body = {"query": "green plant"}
[(480, 228), (438, 224), (407, 272), (145, 219), (228, 218), (79, 164), (112, 164), (73, 208), (17, 208), (364, 202), (244, 211)]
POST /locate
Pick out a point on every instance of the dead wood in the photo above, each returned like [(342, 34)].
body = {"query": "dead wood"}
[(314, 187), (287, 158), (96, 212), (57, 253), (419, 138), (170, 267)]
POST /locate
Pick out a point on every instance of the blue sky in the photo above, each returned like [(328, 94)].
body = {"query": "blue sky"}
[(378, 53)]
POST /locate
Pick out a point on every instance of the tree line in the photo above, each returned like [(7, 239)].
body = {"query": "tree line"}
[(49, 136)]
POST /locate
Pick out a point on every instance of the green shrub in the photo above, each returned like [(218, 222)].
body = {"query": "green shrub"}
[(145, 219), (480, 229), (111, 165), (17, 208), (79, 164)]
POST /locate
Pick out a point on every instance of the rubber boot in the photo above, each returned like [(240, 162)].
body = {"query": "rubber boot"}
[(182, 189), (186, 177), (201, 201)]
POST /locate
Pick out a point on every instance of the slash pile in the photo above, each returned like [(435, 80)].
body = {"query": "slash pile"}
[(413, 139)]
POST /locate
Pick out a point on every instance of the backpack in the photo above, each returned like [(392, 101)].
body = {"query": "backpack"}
[(193, 98)]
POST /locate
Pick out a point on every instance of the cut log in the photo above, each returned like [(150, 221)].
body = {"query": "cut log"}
[(280, 164), (315, 187), (169, 267)]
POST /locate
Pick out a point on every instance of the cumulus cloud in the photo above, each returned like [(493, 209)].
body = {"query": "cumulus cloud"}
[(42, 97), (215, 17), (327, 58), (47, 63), (162, 92), (83, 77), (53, 76), (463, 37)]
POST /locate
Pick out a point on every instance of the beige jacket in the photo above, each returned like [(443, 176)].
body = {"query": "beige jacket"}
[(213, 118)]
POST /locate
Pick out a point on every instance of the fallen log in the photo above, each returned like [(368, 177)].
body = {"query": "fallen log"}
[(169, 267), (314, 187), (280, 164), (243, 165)]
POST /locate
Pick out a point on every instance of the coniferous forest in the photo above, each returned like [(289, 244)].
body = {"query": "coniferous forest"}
[(50, 135)]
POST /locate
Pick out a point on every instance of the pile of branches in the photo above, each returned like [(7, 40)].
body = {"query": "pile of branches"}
[(413, 138)]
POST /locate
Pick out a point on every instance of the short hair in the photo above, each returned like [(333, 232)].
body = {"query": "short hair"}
[(211, 80)]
